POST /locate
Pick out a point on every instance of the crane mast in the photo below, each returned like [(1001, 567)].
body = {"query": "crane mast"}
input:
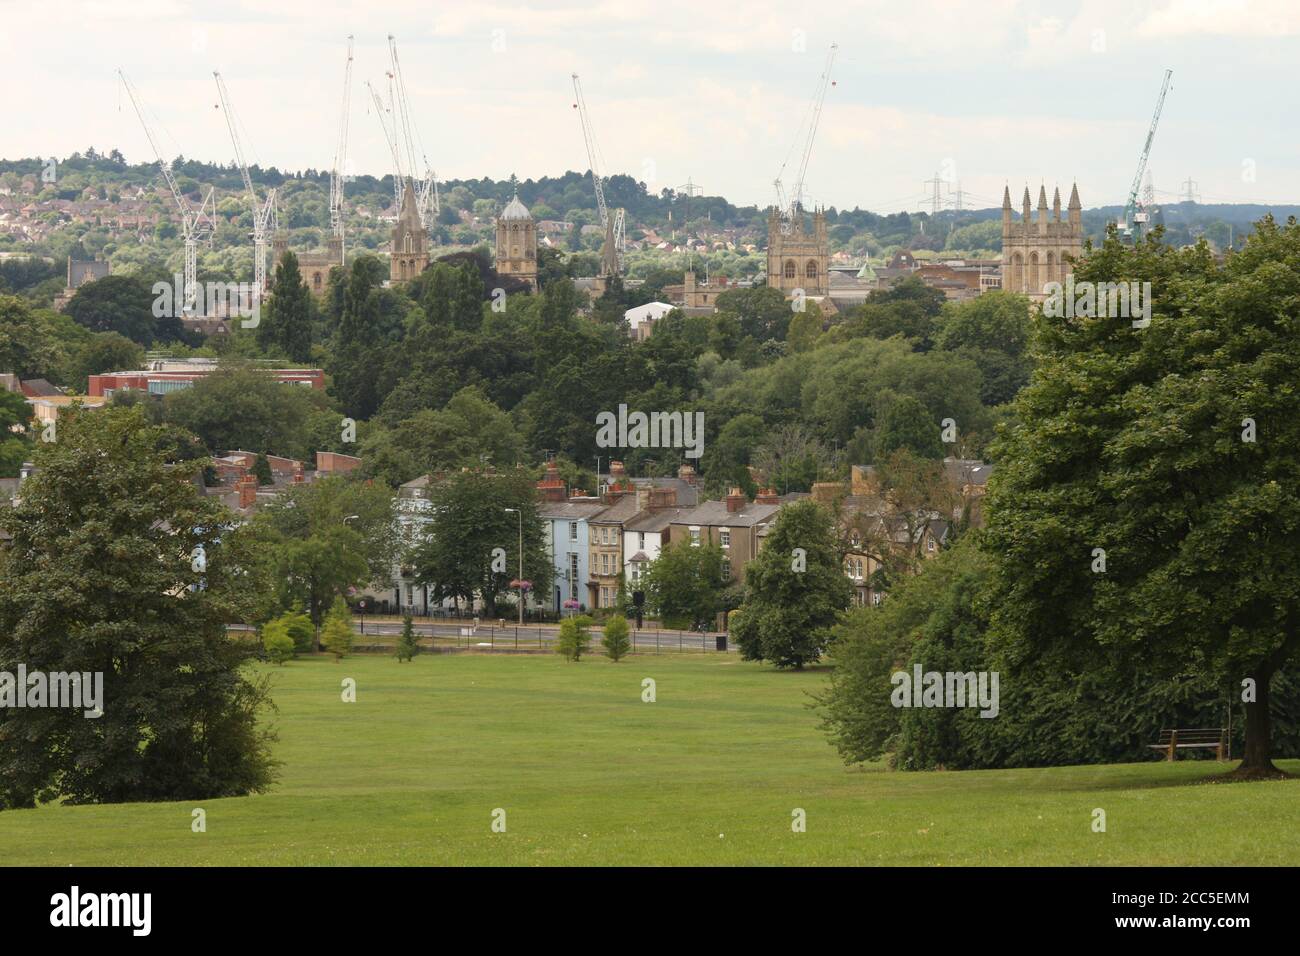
[(1132, 217), (407, 134), (265, 215), (791, 208), (340, 158), (398, 178), (197, 222), (615, 230)]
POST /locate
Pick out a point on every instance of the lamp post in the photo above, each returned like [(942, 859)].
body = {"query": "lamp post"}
[(519, 512)]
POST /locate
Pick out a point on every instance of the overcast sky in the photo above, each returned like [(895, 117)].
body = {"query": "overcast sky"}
[(983, 93)]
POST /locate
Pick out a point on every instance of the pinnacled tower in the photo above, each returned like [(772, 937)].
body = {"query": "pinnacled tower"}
[(1040, 250), (409, 248), (516, 253), (797, 259)]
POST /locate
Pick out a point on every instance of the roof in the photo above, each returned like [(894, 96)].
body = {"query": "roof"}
[(516, 210), (38, 388), (715, 513), (571, 510), (655, 521), (688, 495), (967, 471), (622, 510)]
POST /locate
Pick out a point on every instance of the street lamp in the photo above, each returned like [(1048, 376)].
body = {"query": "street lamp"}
[(520, 513)]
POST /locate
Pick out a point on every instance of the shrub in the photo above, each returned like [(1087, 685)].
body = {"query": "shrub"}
[(616, 641)]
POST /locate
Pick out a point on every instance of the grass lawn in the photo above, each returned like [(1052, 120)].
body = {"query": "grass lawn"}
[(589, 774)]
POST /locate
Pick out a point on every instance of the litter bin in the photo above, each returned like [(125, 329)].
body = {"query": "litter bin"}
[(722, 642)]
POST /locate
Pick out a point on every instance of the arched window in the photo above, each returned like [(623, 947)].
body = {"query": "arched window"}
[(810, 270), (1035, 280), (789, 269), (1051, 268), (315, 281)]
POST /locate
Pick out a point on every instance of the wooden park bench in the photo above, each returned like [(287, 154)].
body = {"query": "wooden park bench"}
[(1207, 738)]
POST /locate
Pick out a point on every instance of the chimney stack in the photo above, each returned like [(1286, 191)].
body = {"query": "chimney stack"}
[(552, 486), (247, 487), (686, 473), (736, 500), (767, 496)]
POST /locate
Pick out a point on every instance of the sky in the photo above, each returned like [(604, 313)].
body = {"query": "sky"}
[(979, 94)]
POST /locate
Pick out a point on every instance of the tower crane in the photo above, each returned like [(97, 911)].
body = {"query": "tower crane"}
[(340, 158), (197, 221), (793, 209), (1132, 216), (407, 134), (399, 180), (265, 214), (615, 224)]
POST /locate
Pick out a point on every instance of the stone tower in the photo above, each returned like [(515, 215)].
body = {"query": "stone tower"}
[(795, 258), (1043, 250), (410, 243), (517, 243)]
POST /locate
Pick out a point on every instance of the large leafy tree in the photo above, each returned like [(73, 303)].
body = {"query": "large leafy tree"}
[(795, 590), (1143, 510), (118, 565), (457, 557), (122, 304), (239, 407), (684, 585)]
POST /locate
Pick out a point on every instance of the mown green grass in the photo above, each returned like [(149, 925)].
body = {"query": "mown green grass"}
[(589, 774)]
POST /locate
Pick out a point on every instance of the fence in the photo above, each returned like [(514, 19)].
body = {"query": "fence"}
[(465, 635)]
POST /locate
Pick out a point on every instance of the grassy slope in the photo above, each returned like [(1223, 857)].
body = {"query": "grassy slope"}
[(588, 774)]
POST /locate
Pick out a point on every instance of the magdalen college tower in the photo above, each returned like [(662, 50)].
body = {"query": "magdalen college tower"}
[(1042, 251), (797, 259)]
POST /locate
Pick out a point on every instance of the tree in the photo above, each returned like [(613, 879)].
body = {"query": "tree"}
[(243, 407), (129, 576), (684, 584), (336, 635), (795, 590), (277, 642), (300, 630), (25, 347), (408, 645), (15, 441), (122, 304), (575, 637), (470, 544), (615, 639), (262, 470), (1152, 467), (286, 322), (105, 352), (906, 423)]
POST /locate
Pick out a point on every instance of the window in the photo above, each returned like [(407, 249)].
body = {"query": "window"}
[(573, 531), (726, 570), (875, 598), (604, 562), (810, 271), (695, 537), (929, 544), (790, 270), (724, 537), (573, 576), (640, 540)]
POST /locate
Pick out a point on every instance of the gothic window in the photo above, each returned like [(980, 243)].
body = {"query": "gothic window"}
[(315, 281), (810, 270), (1051, 267), (789, 269), (1035, 284)]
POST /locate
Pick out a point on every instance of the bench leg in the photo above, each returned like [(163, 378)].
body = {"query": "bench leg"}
[(1173, 744)]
